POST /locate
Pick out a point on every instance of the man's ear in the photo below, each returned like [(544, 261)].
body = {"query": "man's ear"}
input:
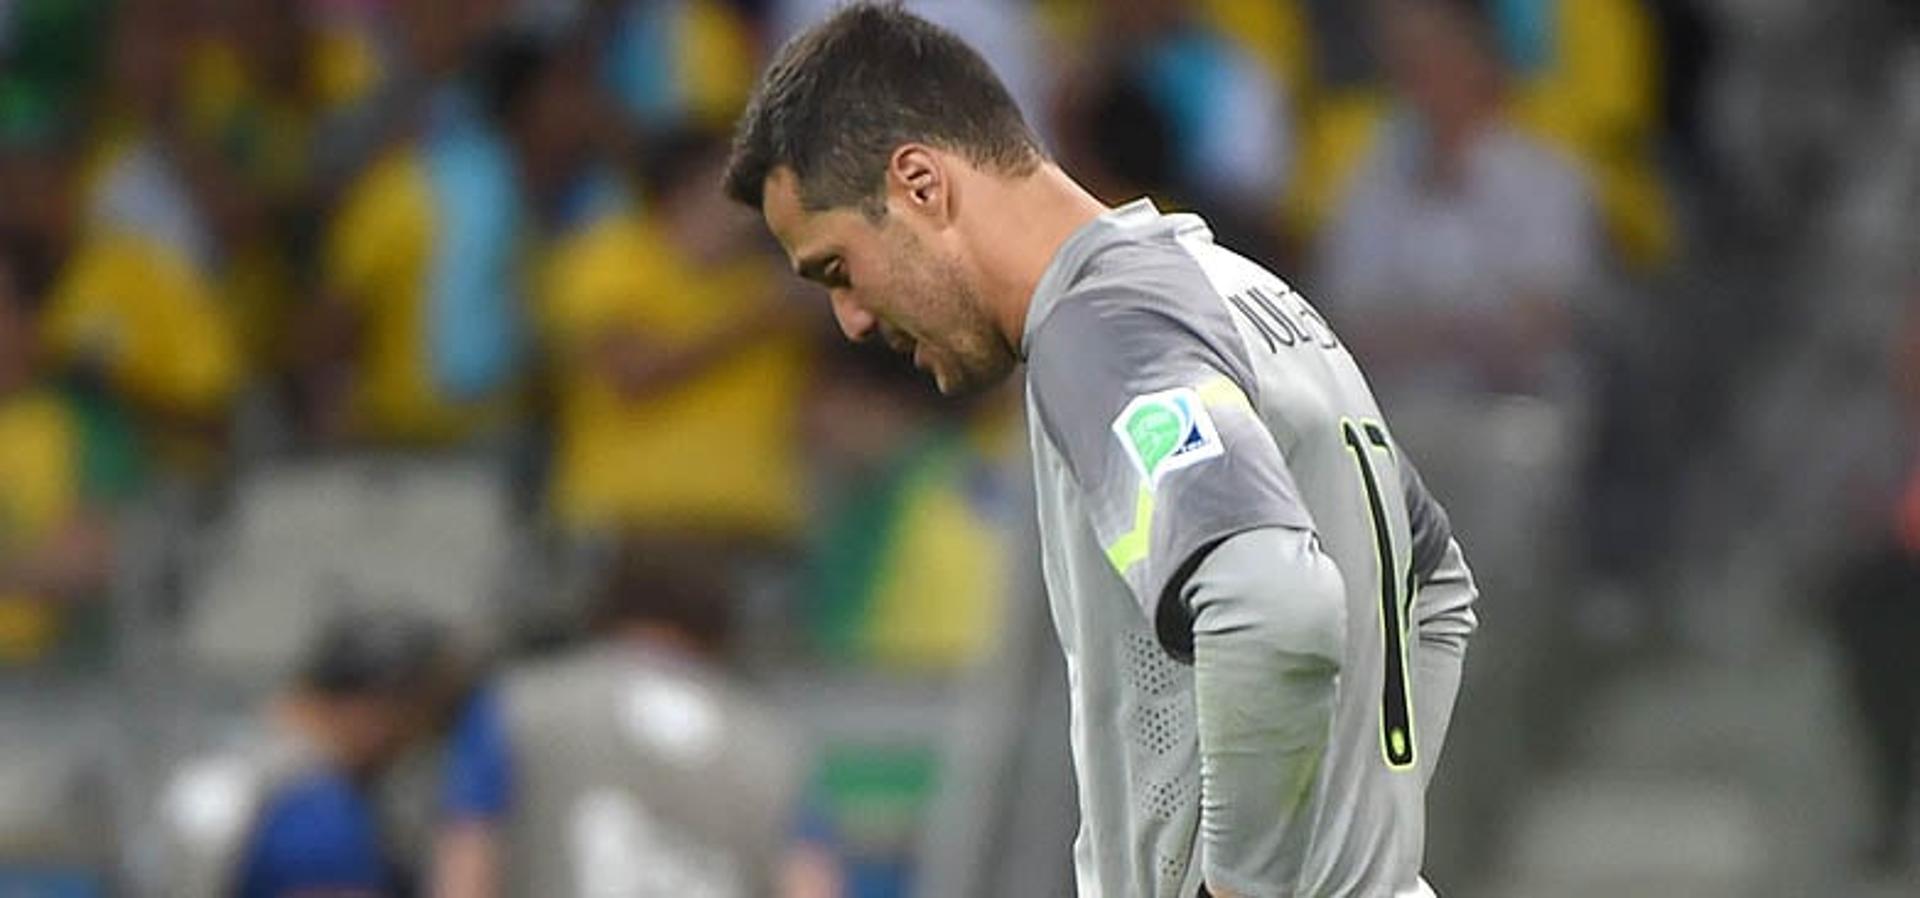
[(917, 180)]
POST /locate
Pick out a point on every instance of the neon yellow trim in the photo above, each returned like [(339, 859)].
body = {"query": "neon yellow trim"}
[(1131, 547), (1220, 391)]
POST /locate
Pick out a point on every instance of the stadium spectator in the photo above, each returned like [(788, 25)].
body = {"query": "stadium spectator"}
[(1460, 254), (678, 64), (633, 765), (381, 66), (1453, 270), (1227, 114), (912, 554), (679, 364), (1583, 77), (417, 339), (294, 810), (138, 298), (39, 221), (249, 109), (1120, 143), (67, 457), (561, 136), (1587, 78)]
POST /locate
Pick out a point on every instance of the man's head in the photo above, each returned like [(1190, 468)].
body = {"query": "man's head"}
[(858, 147), (1443, 58), (146, 53), (542, 92), (676, 588), (436, 36), (676, 173), (371, 681)]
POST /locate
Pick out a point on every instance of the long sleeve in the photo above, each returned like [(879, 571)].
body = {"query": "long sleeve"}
[(1443, 620), (1443, 617), (1269, 624)]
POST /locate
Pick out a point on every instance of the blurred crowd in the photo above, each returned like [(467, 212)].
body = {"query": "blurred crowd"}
[(239, 231), (321, 264)]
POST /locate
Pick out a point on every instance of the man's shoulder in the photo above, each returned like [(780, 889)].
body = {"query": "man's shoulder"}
[(1137, 316), (1134, 313), (1127, 280), (316, 829)]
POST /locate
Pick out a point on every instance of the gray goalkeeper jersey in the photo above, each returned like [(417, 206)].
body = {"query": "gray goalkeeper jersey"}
[(1179, 394)]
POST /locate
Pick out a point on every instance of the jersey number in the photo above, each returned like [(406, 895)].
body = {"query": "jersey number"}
[(1396, 704)]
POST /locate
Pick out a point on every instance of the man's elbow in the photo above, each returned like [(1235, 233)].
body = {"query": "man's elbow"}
[(1275, 587)]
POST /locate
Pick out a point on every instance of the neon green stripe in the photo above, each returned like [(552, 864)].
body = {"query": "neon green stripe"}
[(1221, 391), (1131, 547)]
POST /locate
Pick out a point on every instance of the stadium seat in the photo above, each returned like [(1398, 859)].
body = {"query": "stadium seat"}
[(303, 539)]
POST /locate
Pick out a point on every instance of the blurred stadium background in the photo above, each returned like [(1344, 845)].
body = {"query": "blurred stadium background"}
[(313, 305)]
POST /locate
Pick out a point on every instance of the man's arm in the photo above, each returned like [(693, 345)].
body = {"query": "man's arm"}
[(1443, 620), (641, 368), (1443, 617), (477, 795), (1193, 501), (810, 866), (1269, 633), (466, 860)]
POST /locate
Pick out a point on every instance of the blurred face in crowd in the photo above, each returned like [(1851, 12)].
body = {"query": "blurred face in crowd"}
[(371, 732), (702, 224), (40, 207), (149, 48), (898, 272), (1438, 60), (16, 334), (438, 33), (269, 36), (555, 122)]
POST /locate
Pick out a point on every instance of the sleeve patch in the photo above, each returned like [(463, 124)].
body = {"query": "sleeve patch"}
[(1166, 431)]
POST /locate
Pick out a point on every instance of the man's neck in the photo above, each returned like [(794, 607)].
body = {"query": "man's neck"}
[(1030, 219)]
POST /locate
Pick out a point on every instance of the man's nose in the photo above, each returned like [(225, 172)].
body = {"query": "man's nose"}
[(857, 323)]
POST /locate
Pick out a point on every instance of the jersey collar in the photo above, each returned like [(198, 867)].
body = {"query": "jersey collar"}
[(1072, 257)]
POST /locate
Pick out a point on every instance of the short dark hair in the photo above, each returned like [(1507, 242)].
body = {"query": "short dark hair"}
[(840, 97), (678, 583), (376, 653)]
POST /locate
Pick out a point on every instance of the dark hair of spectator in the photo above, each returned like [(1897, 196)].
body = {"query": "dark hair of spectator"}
[(1132, 136), (506, 69), (1472, 16), (31, 265), (667, 163), (839, 98), (376, 654), (679, 587)]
